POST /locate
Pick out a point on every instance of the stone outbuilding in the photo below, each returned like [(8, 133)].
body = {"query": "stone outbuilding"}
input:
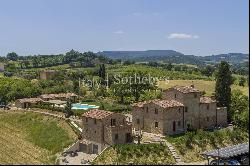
[(28, 102), (102, 129)]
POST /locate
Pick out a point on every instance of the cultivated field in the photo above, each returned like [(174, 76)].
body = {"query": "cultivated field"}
[(29, 138), (202, 85), (148, 154)]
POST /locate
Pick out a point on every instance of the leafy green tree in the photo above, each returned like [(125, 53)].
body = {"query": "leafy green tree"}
[(240, 109), (12, 56), (242, 81), (223, 87), (121, 91), (135, 84), (169, 66), (35, 61), (208, 70), (102, 71), (68, 109)]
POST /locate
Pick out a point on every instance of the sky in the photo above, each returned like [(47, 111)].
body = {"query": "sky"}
[(197, 27)]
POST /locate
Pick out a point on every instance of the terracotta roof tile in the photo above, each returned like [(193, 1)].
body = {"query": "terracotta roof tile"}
[(207, 100), (97, 114), (30, 100), (167, 103), (140, 104), (161, 103), (52, 96), (186, 89)]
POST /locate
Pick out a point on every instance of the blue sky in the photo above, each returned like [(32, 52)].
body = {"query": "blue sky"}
[(198, 27)]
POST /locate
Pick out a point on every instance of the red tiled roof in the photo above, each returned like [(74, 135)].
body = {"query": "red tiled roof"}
[(97, 114), (140, 104), (186, 89), (161, 103), (51, 96), (167, 103), (207, 100), (30, 100)]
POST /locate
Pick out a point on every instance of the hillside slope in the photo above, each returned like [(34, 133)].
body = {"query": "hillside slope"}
[(28, 138)]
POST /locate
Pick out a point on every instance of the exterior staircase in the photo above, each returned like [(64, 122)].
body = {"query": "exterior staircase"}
[(174, 154)]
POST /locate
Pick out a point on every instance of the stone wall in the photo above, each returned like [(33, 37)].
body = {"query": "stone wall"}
[(190, 101), (165, 119), (100, 132), (173, 117), (93, 130), (222, 116), (151, 118), (138, 118), (207, 115)]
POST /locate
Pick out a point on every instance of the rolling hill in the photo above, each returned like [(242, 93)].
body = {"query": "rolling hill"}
[(172, 56)]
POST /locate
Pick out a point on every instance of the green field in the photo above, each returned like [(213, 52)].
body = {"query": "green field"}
[(202, 85), (29, 138), (156, 72), (191, 144), (149, 154)]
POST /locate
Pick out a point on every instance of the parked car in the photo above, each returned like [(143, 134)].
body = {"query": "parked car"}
[(244, 160), (73, 154), (6, 107), (215, 162), (65, 160), (225, 162)]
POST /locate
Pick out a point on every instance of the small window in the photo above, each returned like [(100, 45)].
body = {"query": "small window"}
[(179, 123), (138, 121), (86, 120), (116, 137), (156, 124), (208, 119), (179, 110), (147, 109), (208, 106), (175, 95), (113, 122), (95, 121), (95, 131), (156, 111), (195, 95), (186, 109)]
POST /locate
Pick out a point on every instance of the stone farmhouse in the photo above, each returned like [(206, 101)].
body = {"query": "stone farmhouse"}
[(182, 107), (47, 74), (103, 128), (28, 102), (2, 65), (60, 98)]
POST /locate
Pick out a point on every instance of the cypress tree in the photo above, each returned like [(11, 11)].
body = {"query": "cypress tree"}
[(223, 87)]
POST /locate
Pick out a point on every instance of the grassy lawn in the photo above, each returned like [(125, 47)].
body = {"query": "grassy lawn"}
[(150, 154), (191, 144), (202, 85), (29, 138)]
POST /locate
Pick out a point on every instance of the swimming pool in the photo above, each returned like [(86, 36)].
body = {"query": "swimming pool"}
[(79, 106)]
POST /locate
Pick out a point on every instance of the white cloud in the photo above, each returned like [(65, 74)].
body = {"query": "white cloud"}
[(137, 14), (182, 36), (119, 32)]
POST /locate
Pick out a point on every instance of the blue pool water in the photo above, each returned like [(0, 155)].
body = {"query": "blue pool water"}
[(79, 106)]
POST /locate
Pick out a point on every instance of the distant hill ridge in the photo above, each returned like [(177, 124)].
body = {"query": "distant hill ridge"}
[(174, 56)]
